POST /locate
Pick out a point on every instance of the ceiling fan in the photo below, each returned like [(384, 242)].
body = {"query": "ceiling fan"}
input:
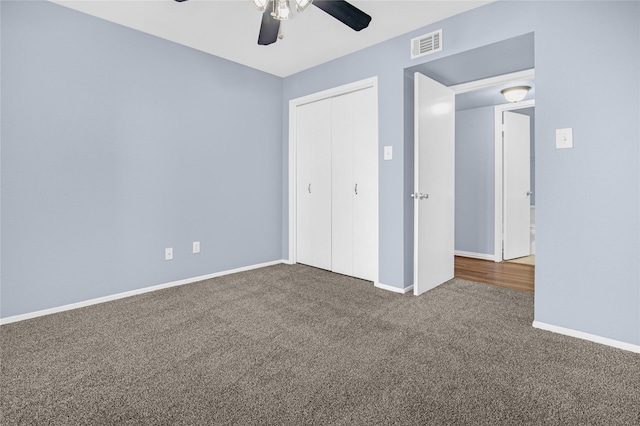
[(275, 11)]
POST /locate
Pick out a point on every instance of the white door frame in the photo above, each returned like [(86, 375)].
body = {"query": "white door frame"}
[(293, 104), (499, 169)]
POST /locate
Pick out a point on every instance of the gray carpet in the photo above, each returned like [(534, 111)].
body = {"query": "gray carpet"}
[(297, 345)]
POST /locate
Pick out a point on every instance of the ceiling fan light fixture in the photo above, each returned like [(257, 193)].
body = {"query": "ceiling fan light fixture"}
[(516, 93), (281, 10), (261, 5)]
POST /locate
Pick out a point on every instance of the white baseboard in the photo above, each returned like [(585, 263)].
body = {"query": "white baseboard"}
[(586, 336), (90, 302), (392, 288), (473, 255)]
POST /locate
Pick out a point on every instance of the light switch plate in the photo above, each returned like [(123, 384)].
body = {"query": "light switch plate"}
[(196, 246), (168, 253), (388, 152), (564, 138)]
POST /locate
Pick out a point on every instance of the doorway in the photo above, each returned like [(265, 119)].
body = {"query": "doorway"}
[(480, 165), (510, 163), (496, 66)]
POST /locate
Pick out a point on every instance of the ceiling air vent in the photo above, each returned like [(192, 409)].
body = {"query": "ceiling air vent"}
[(426, 44)]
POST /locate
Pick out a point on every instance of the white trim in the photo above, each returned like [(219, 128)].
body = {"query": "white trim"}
[(293, 155), (498, 202), (117, 296), (332, 92), (493, 81), (392, 288), (293, 104), (483, 256), (586, 336)]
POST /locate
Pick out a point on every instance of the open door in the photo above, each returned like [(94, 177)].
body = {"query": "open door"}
[(517, 181), (434, 184)]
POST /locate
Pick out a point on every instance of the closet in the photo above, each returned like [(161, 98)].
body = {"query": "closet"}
[(337, 184)]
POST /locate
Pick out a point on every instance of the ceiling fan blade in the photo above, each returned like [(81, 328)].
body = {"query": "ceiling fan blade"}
[(345, 12), (268, 29)]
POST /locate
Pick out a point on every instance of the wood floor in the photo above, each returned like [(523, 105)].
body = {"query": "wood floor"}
[(505, 274)]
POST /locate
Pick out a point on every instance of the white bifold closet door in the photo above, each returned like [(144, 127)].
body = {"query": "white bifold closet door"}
[(354, 184), (313, 198), (337, 184)]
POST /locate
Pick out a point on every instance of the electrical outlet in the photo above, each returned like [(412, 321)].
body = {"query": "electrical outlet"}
[(168, 253), (196, 246)]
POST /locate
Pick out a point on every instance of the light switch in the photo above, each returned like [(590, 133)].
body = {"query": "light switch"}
[(564, 138), (388, 152)]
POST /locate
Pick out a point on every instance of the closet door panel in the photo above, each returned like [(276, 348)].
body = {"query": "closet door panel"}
[(343, 185), (304, 252), (321, 185), (365, 171), (314, 184)]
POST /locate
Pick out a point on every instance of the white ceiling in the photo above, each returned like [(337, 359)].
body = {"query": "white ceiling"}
[(229, 28)]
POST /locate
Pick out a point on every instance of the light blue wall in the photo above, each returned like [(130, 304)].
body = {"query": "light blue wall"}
[(387, 61), (475, 181), (588, 197), (117, 144)]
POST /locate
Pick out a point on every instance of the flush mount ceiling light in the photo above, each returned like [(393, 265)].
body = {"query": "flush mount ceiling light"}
[(516, 93)]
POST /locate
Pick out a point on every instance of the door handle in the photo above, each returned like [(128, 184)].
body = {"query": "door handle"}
[(309, 189), (419, 195), (529, 193), (356, 189)]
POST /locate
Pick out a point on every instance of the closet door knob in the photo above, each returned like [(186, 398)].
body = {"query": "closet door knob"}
[(529, 193)]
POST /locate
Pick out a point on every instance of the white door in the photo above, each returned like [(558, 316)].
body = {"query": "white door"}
[(342, 186), (365, 200), (313, 183), (516, 215), (355, 184), (434, 184)]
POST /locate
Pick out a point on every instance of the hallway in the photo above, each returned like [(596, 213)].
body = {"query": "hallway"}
[(504, 274)]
